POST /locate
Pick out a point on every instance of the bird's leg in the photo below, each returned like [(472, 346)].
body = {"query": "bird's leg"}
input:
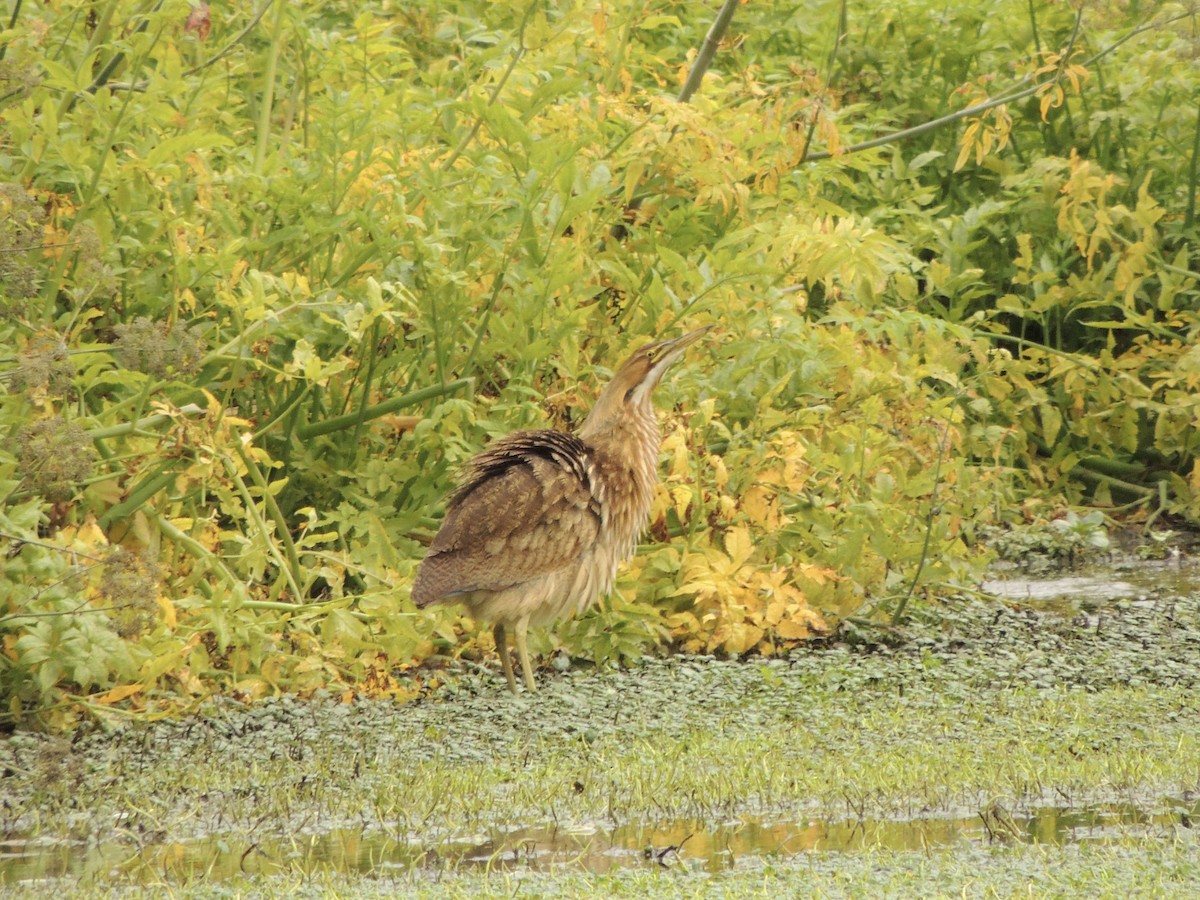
[(522, 627), (505, 659)]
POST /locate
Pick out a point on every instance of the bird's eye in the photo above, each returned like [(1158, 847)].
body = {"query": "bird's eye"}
[(629, 395)]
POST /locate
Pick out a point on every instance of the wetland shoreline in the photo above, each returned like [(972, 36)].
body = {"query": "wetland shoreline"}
[(1062, 724)]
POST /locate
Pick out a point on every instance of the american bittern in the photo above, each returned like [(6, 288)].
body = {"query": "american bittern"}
[(537, 529)]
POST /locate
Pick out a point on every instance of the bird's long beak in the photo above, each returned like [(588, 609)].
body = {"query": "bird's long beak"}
[(673, 349), (664, 354)]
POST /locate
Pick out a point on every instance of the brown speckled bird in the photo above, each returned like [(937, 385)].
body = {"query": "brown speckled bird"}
[(542, 521)]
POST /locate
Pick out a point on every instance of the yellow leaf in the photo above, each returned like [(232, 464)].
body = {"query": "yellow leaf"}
[(167, 608), (189, 682), (816, 574), (676, 445), (633, 178), (117, 694), (757, 505), (253, 688), (792, 630), (738, 544), (681, 496), (741, 638), (776, 610), (86, 536), (600, 21), (963, 155)]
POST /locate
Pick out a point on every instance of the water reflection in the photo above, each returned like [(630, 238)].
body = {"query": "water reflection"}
[(595, 848), (1097, 585)]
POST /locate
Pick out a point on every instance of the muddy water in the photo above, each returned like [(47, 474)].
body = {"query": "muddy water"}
[(592, 847)]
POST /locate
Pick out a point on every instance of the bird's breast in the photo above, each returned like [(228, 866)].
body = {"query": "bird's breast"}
[(623, 478)]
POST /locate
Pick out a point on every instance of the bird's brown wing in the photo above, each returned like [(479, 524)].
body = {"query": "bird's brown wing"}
[(526, 509)]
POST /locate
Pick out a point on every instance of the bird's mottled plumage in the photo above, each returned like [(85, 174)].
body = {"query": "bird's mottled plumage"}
[(541, 522), (525, 512)]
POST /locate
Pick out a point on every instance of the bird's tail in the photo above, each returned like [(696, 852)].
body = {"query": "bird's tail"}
[(432, 583)]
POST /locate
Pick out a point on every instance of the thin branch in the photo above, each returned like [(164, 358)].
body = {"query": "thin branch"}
[(12, 23), (518, 53), (837, 44), (978, 108), (708, 50), (934, 510), (77, 611), (704, 58), (24, 540)]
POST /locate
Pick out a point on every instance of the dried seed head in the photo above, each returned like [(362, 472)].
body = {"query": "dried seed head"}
[(158, 349), (93, 276), (55, 455), (44, 367), (129, 584), (20, 236), (16, 80)]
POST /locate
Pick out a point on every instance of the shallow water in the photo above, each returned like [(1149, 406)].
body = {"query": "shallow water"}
[(1047, 636), (1131, 580), (592, 847)]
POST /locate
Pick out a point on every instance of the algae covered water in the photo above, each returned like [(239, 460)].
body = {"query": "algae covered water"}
[(1047, 738)]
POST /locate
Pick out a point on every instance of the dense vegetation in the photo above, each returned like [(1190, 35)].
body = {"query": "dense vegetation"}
[(269, 276)]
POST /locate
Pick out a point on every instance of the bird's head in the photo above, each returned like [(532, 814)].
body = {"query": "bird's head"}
[(628, 394)]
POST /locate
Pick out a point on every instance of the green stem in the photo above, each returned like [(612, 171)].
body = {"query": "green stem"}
[(106, 146), (487, 315), (708, 50), (308, 607), (1116, 484), (101, 79), (268, 93), (350, 420), (150, 485), (929, 520), (1189, 217), (198, 550), (1114, 467), (261, 524), (368, 380), (519, 52), (112, 431), (12, 23), (289, 404), (276, 514)]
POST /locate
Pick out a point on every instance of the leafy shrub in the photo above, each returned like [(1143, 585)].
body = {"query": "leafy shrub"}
[(266, 286)]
